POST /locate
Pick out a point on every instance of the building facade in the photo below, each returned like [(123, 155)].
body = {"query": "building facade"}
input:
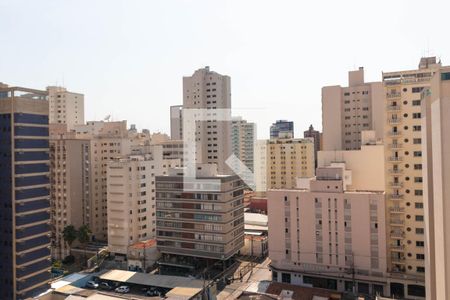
[(288, 159), (176, 122), (201, 218), (65, 107), (327, 236), (404, 179), (316, 135), (282, 129), (70, 186), (131, 199), (346, 111), (435, 103), (243, 138), (24, 192), (208, 90)]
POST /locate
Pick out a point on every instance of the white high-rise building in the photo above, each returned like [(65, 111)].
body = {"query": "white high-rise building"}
[(243, 138), (65, 107), (209, 90)]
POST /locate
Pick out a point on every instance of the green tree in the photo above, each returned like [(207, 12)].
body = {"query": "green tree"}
[(69, 234), (84, 236)]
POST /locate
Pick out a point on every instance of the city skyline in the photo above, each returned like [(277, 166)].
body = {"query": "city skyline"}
[(129, 57)]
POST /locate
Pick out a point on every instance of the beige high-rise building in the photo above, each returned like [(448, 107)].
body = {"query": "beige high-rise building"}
[(404, 179), (346, 111), (326, 235), (436, 180), (260, 165), (65, 107), (131, 199), (70, 185), (176, 122), (288, 159), (108, 140), (209, 90)]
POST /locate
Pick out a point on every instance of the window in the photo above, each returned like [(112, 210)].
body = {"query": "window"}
[(417, 166), (416, 102), (417, 128), (419, 218), (417, 141), (417, 179), (417, 89), (420, 269), (417, 115), (417, 153), (418, 192), (420, 256), (418, 205), (420, 231), (445, 76), (420, 244)]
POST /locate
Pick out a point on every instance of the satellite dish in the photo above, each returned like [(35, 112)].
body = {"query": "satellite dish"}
[(107, 118)]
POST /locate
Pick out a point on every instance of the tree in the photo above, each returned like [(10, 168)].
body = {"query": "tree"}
[(84, 236), (69, 234)]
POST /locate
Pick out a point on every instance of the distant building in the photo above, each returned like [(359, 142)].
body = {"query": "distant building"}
[(346, 111), (65, 107), (243, 138), (282, 129), (316, 135), (197, 222), (24, 192), (256, 241), (176, 122), (209, 90)]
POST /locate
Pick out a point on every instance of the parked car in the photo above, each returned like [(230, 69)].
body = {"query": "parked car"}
[(105, 286), (152, 292), (92, 284), (123, 289)]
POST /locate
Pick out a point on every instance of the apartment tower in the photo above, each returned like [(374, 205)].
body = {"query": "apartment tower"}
[(65, 107), (282, 129), (24, 192), (208, 90), (243, 138), (346, 111), (404, 179)]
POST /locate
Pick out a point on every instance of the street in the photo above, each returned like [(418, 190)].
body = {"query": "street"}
[(255, 281)]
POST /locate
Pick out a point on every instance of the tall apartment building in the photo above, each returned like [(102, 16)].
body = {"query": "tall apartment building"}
[(65, 107), (176, 122), (70, 184), (209, 90), (131, 199), (404, 179), (436, 180), (346, 111), (196, 220), (282, 129), (243, 138), (260, 165), (287, 159), (329, 236), (24, 192), (316, 135), (108, 140)]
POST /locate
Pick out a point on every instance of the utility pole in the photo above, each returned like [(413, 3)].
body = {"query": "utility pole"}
[(144, 260)]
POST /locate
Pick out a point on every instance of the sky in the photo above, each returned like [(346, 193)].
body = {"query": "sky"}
[(128, 57)]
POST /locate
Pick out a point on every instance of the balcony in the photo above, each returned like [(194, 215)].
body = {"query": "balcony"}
[(394, 222), (393, 95), (397, 234), (396, 171), (396, 197), (397, 248), (394, 133), (394, 120), (398, 260), (393, 107), (395, 146), (396, 185), (397, 209), (395, 158)]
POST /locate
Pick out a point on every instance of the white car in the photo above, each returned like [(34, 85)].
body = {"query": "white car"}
[(122, 289), (92, 284)]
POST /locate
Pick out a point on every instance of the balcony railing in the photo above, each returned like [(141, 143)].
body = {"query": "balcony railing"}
[(395, 146), (395, 158), (397, 234), (394, 222), (394, 133), (393, 107), (394, 120), (396, 209), (395, 171), (397, 248), (396, 197), (393, 95), (396, 184)]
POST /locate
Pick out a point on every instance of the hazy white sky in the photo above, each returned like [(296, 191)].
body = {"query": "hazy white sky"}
[(128, 57)]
